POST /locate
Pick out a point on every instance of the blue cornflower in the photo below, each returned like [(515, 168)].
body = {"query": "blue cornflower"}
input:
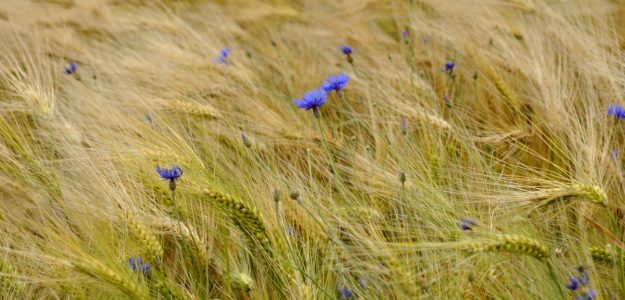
[(584, 279), (72, 68), (347, 50), (346, 293), (168, 174), (615, 154), (466, 224), (136, 264), (362, 282), (591, 294), (149, 118), (335, 83), (616, 111), (447, 101), (404, 33), (290, 231), (222, 58), (313, 99), (574, 284), (449, 66)]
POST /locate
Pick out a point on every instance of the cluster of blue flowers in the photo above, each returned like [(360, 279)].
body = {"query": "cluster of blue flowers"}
[(616, 111), (137, 265), (315, 98), (346, 293), (580, 285), (71, 70)]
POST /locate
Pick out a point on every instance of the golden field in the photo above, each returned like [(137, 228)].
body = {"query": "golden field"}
[(474, 153)]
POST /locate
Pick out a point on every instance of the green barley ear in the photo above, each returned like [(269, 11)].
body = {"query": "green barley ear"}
[(8, 279), (591, 192), (147, 239), (602, 255), (170, 290), (306, 292), (248, 216), (97, 270), (242, 282), (509, 243)]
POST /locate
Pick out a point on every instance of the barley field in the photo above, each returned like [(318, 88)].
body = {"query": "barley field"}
[(312, 149)]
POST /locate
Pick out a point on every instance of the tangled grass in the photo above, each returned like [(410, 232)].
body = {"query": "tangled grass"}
[(495, 177)]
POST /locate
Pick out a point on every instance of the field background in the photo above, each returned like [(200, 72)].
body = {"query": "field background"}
[(526, 149)]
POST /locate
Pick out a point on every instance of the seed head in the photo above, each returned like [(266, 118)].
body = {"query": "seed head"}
[(246, 141), (294, 194), (402, 177), (276, 195)]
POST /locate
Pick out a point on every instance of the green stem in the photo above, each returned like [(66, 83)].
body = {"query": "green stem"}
[(619, 251), (555, 281), (335, 170), (330, 232)]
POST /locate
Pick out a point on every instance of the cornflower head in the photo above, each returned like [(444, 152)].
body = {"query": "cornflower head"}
[(346, 293), (246, 141), (466, 224), (616, 111), (148, 118), (404, 127), (362, 282), (347, 50), (170, 174), (276, 195), (313, 99), (137, 265), (402, 177), (222, 58), (447, 100), (449, 67), (406, 37), (335, 83), (290, 231), (580, 284), (615, 154), (72, 68)]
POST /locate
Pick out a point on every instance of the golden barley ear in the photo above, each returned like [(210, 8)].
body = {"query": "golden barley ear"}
[(249, 218), (152, 247), (99, 271)]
